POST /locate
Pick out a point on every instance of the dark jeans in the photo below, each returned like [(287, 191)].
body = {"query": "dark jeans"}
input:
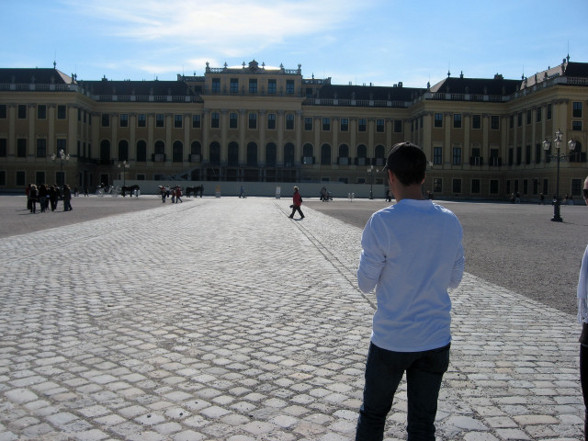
[(584, 384), (383, 373), (296, 208)]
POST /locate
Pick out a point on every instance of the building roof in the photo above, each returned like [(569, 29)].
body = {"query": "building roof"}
[(34, 75), (376, 93), (477, 86), (156, 87)]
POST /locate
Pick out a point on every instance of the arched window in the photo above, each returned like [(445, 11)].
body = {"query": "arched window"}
[(233, 159), (123, 151), (214, 153), (178, 152), (307, 154), (252, 154), (270, 155), (105, 152), (141, 151), (362, 155), (380, 155), (289, 155), (325, 154), (159, 155), (343, 154), (195, 148)]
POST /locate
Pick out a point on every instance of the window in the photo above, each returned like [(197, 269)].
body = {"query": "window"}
[(141, 151), (495, 122), (437, 185), (41, 148), (475, 186), (271, 87), (456, 186), (3, 111), (326, 124), (253, 120), (195, 121), (577, 125), (61, 112), (538, 114), (160, 120), (325, 154), (105, 120), (438, 120), (494, 186), (456, 160), (252, 85), (233, 120), (538, 149), (124, 119), (141, 120), (216, 85), (290, 87), (362, 125), (123, 151), (457, 120), (549, 111), (344, 124), (529, 117), (20, 178), (61, 144), (476, 122), (22, 111), (380, 125), (519, 119), (42, 112), (178, 121), (577, 109), (21, 148), (289, 122), (215, 120), (234, 85), (271, 121), (397, 126), (528, 154), (177, 152), (437, 155), (519, 155), (2, 177), (3, 147), (307, 123)]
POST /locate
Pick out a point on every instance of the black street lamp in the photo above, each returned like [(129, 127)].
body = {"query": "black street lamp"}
[(557, 141), (124, 165), (371, 172)]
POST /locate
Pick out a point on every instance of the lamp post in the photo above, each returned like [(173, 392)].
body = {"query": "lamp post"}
[(371, 172), (62, 156), (557, 141), (124, 165)]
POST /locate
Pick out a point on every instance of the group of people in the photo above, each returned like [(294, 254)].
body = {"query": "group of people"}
[(47, 196), (175, 193)]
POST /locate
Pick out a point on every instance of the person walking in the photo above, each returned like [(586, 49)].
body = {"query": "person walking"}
[(582, 294), (296, 203), (66, 198), (412, 253)]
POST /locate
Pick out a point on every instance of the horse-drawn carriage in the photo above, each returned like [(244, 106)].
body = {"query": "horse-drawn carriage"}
[(131, 190)]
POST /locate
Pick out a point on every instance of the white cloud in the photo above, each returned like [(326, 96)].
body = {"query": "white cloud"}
[(227, 27)]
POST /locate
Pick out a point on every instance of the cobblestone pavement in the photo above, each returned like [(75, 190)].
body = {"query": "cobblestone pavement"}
[(222, 319)]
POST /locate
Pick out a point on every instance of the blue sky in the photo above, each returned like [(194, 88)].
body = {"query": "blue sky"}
[(366, 41)]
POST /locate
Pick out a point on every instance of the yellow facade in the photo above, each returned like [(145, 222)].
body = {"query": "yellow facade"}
[(251, 123)]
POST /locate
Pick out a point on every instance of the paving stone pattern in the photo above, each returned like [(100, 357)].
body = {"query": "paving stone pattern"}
[(222, 319)]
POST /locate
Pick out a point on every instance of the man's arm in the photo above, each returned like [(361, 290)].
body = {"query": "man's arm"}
[(371, 261)]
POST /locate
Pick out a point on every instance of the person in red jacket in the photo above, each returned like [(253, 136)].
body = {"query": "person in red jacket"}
[(296, 203)]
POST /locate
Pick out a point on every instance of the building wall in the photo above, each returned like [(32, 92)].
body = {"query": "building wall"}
[(474, 160)]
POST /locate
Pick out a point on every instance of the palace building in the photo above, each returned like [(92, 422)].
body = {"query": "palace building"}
[(484, 137)]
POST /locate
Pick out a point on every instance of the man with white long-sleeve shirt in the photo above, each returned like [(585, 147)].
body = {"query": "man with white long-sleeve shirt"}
[(412, 254)]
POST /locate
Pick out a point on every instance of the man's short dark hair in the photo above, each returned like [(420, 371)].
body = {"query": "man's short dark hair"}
[(408, 162)]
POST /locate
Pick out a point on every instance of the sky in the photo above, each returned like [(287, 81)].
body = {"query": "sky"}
[(379, 42)]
